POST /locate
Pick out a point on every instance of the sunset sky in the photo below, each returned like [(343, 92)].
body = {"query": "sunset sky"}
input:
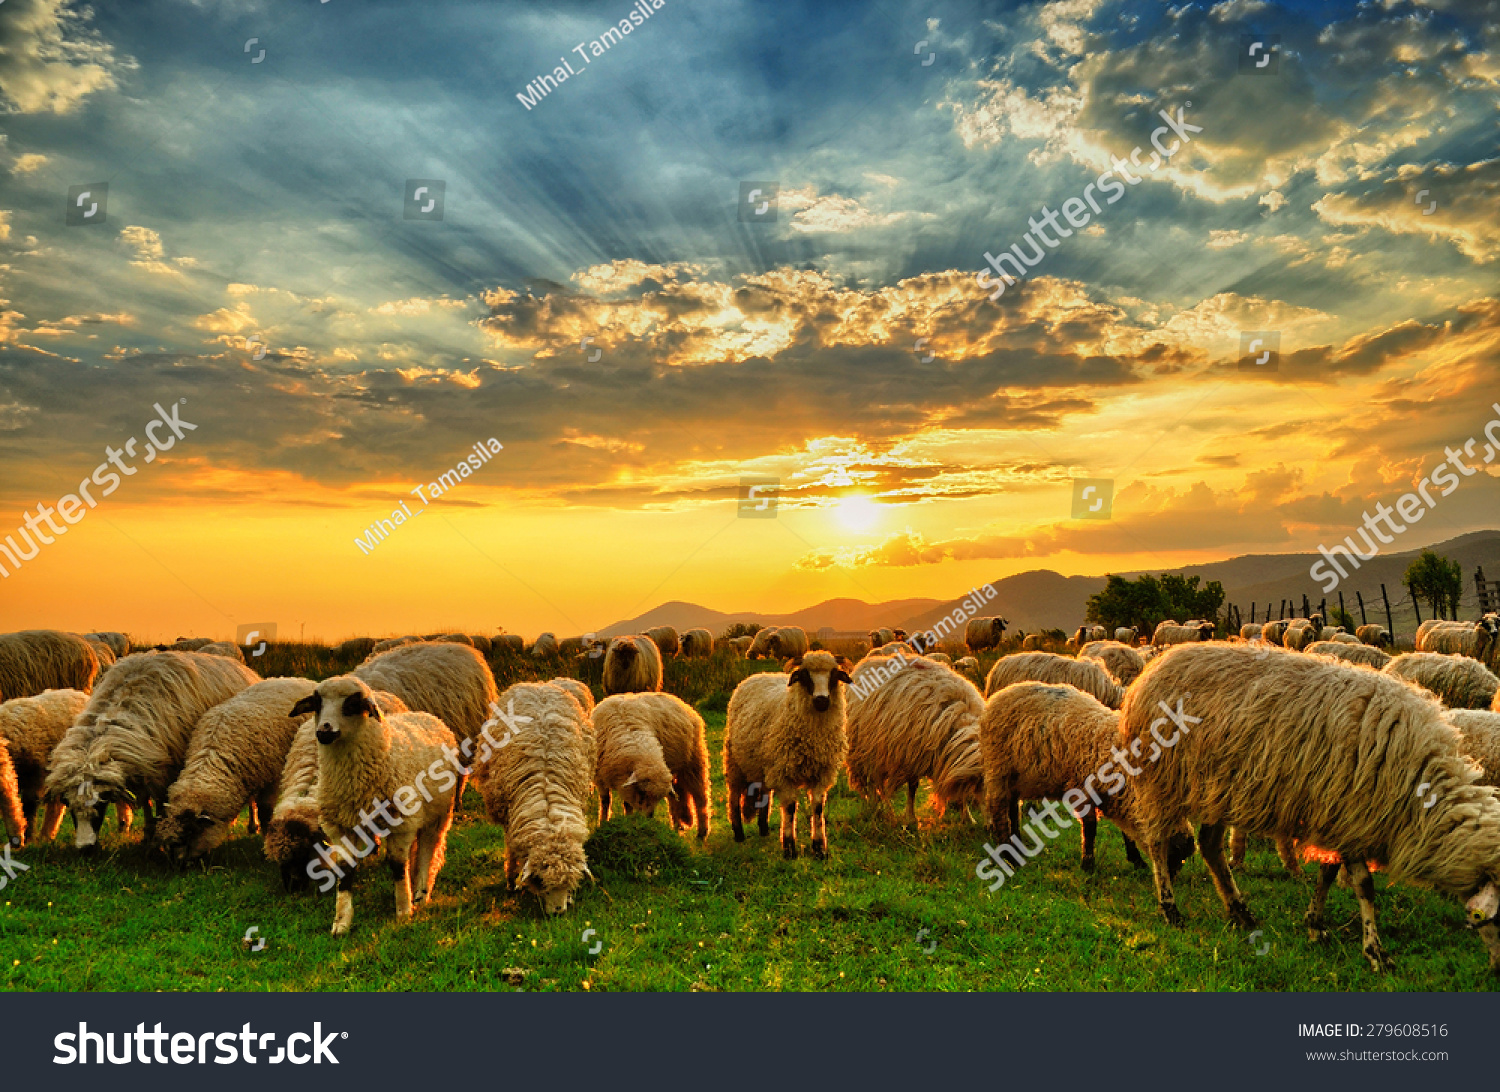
[(267, 199)]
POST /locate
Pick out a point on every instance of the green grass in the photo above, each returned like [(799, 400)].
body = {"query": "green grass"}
[(670, 915)]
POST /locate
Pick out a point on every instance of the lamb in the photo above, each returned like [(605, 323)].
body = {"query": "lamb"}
[(1300, 747), (666, 640), (632, 666), (1169, 633), (30, 730), (697, 644), (1365, 655), (1048, 667), (1122, 662), (651, 747), (1251, 631), (580, 693), (452, 682), (882, 636), (921, 722), (228, 649), (537, 788), (1473, 639), (1458, 681), (1050, 741), (1273, 632), (295, 831), (131, 740), (780, 643), (34, 660), (983, 633), (368, 761), (235, 758), (545, 645), (785, 735), (118, 643)]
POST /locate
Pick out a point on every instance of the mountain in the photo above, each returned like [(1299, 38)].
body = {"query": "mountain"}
[(1043, 599)]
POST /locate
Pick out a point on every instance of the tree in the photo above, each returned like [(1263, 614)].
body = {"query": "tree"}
[(743, 629), (1146, 601), (1439, 581)]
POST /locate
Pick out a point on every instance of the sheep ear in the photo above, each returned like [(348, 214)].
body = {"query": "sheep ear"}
[(841, 676), (631, 780), (310, 704), (588, 873)]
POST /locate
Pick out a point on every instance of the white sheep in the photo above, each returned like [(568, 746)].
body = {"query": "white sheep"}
[(1251, 631), (651, 747), (785, 735), (30, 730), (1123, 662), (367, 762), (1170, 633), (666, 640), (1375, 636), (1087, 675), (780, 643), (632, 665), (1476, 640), (697, 644), (1127, 635), (34, 660), (985, 632)]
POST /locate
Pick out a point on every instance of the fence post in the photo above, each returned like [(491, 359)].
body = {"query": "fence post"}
[(1390, 626), (1484, 590), (1252, 613), (1361, 600), (1282, 616), (1306, 609), (1416, 604), (1323, 608)]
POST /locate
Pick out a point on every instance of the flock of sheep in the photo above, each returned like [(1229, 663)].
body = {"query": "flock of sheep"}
[(1292, 731)]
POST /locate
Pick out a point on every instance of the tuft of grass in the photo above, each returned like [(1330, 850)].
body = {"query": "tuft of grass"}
[(636, 847)]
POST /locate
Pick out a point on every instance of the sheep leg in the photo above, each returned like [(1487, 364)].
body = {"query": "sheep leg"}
[(1286, 849), (788, 827), (1364, 890), (1133, 854), (700, 810), (763, 812), (343, 909), (1239, 842), (512, 867), (736, 814), (998, 810), (818, 827), (1090, 827), (398, 860), (251, 817), (150, 817), (429, 860), (911, 801), (124, 817), (1316, 929), (265, 807), (1161, 879), (1211, 845), (603, 805), (52, 819)]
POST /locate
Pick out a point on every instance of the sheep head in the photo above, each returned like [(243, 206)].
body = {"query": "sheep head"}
[(88, 790), (189, 831), (1206, 631), (819, 674), (1481, 910), (553, 870), (646, 787), (341, 706)]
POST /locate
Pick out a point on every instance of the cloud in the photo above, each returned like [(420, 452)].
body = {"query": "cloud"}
[(50, 60), (1442, 201)]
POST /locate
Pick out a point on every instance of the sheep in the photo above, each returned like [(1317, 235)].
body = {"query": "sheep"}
[(228, 649), (572, 647), (1273, 632), (509, 642), (102, 652), (1048, 667), (186, 644), (1122, 662), (1087, 633), (697, 644), (118, 643), (481, 643), (131, 740), (882, 636), (921, 722), (666, 640), (741, 645), (355, 648), (1473, 639), (785, 735), (30, 730), (1048, 741), (1301, 632), (983, 633), (1127, 635), (1458, 681), (1169, 633), (34, 660), (780, 643), (235, 758), (368, 761), (545, 645), (651, 747), (393, 642), (580, 693), (1372, 635), (452, 682), (1301, 747), (632, 666), (1479, 732), (537, 788), (940, 658), (1251, 631), (1033, 642), (1356, 653), (893, 648), (968, 667), (295, 830), (452, 638)]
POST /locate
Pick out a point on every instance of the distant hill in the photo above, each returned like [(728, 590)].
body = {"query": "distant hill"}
[(1043, 599)]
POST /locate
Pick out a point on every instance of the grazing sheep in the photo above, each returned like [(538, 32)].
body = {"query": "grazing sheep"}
[(34, 660), (881, 636), (572, 646), (651, 747), (1122, 662), (785, 735), (1374, 636), (1273, 632), (921, 722), (102, 652), (452, 638), (632, 666), (581, 694), (537, 788), (741, 645), (1169, 633), (940, 658), (1479, 731), (1052, 741), (1473, 639), (30, 730), (545, 645), (780, 643), (1365, 655), (481, 643), (697, 644), (508, 642), (118, 643), (1301, 632), (368, 761), (235, 758), (356, 648), (1251, 631), (968, 667), (131, 740), (393, 642), (186, 644), (666, 640), (1127, 635), (295, 831), (1343, 638), (1458, 681), (228, 649), (893, 648), (1087, 633), (985, 632), (452, 682), (1033, 642), (1301, 747), (1048, 667)]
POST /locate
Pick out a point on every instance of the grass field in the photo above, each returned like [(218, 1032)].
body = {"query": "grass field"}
[(893, 909)]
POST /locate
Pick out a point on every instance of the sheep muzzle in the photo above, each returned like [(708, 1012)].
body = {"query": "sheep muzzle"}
[(1483, 907), (820, 702), (327, 734)]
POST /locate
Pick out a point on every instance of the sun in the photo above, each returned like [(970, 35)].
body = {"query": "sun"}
[(858, 512)]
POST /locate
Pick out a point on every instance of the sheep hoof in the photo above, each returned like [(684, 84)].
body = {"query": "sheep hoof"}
[(1171, 913), (1087, 864), (340, 929), (789, 850), (819, 851), (1239, 914), (1379, 961), (739, 835)]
